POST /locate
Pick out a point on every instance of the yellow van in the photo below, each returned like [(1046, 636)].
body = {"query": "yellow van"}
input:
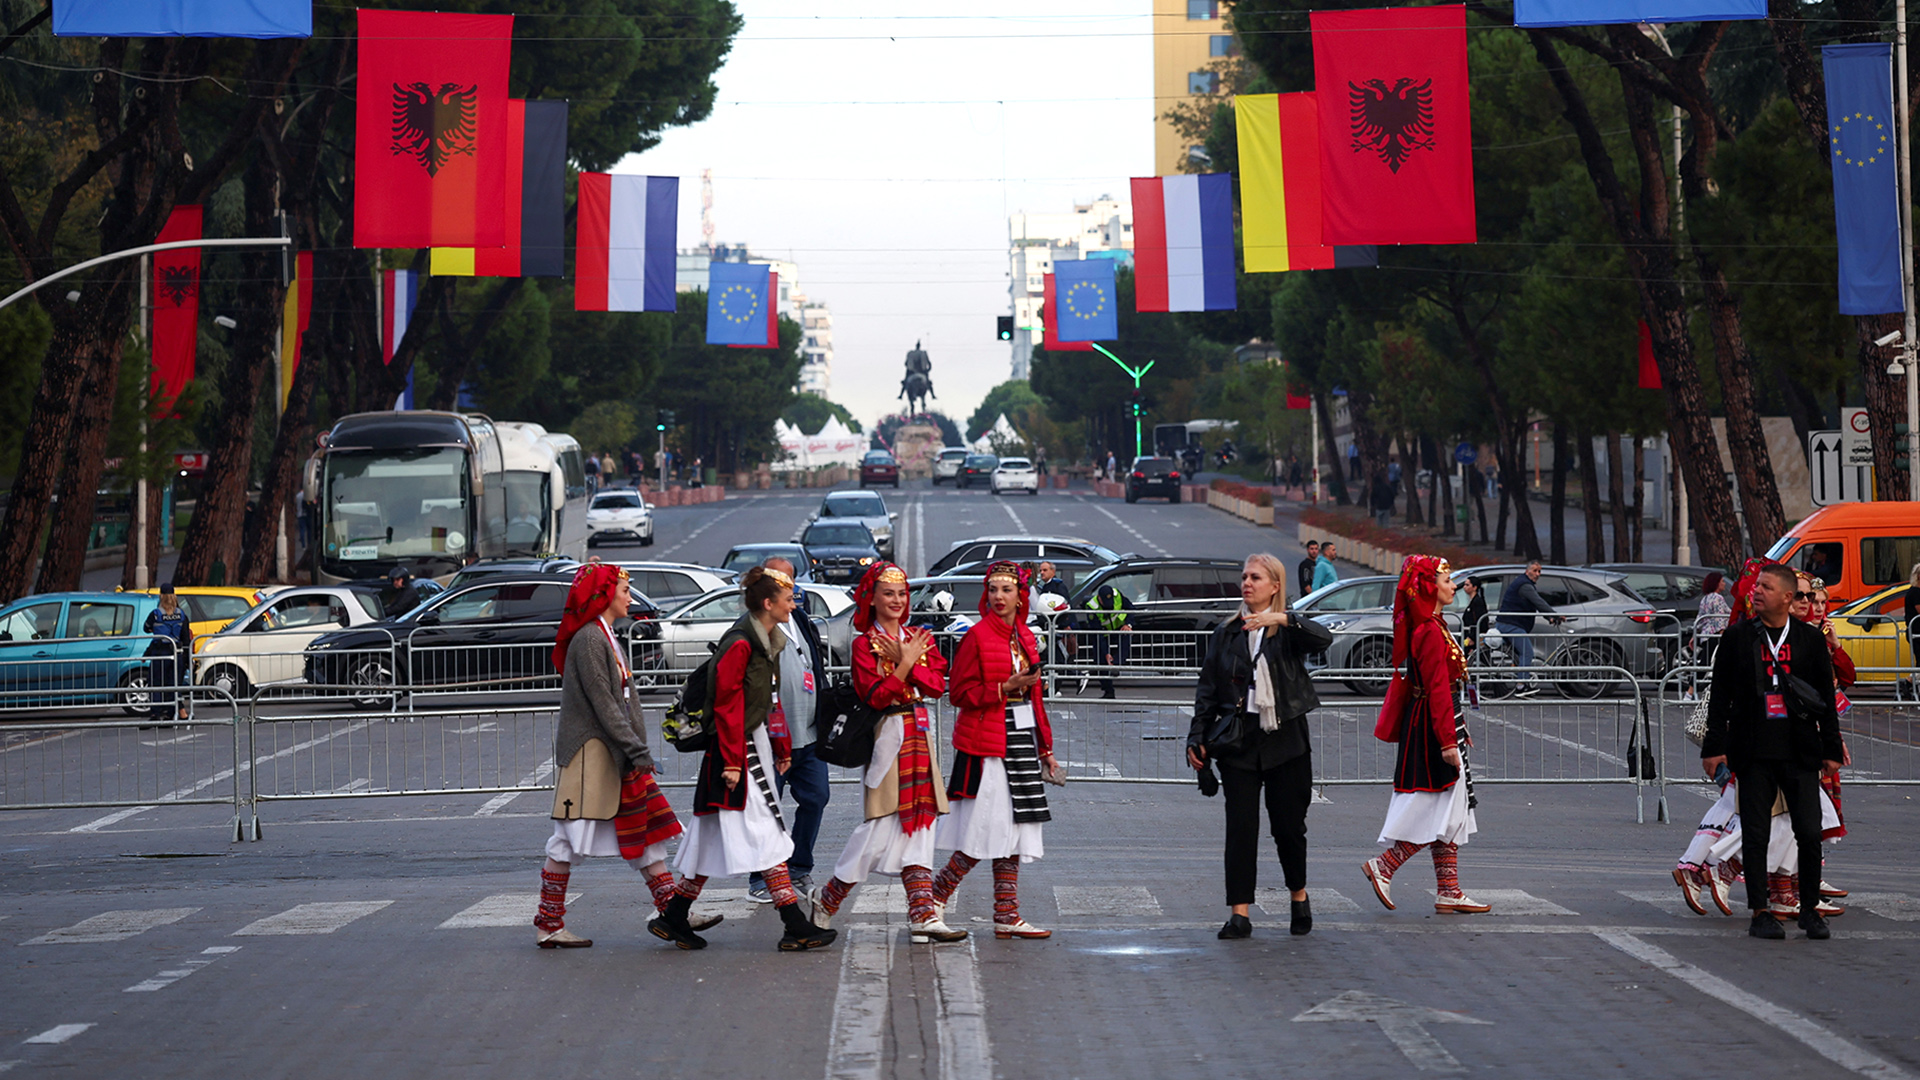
[(1856, 548)]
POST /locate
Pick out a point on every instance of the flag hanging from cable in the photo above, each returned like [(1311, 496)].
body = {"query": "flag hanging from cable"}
[(1396, 134), (1866, 192), (536, 201), (1183, 243), (1049, 340), (1088, 306), (1279, 137), (183, 18), (295, 317), (176, 310), (501, 261), (431, 158), (624, 255), (1649, 367), (740, 304), (399, 292), (1594, 12)]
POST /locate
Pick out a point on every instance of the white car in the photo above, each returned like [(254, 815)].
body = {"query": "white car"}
[(670, 584), (947, 465), (686, 633), (268, 644), (619, 516), (1014, 474)]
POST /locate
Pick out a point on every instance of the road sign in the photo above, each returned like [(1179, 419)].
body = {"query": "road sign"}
[(1466, 453), (1834, 480), (1856, 440)]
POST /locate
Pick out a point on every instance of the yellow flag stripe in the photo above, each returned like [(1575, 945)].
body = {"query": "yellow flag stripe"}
[(1263, 183), (451, 262)]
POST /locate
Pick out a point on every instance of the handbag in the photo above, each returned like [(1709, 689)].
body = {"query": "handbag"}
[(589, 785), (846, 725), (1227, 733), (688, 725), (1696, 726)]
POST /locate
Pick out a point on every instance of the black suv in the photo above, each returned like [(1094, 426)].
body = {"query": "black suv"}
[(977, 469), (1155, 476), (1174, 604), (839, 551)]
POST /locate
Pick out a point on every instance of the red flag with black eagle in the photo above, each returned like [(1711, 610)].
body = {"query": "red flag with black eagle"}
[(430, 130), (176, 309), (1396, 134)]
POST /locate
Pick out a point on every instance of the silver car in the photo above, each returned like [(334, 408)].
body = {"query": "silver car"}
[(866, 507), (947, 465), (686, 633)]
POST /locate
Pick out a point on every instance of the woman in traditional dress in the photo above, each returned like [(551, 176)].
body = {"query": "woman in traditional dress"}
[(1433, 798), (1254, 684), (737, 828), (600, 745), (1002, 748), (899, 671)]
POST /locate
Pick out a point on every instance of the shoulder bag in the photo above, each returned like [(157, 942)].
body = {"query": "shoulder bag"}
[(846, 723)]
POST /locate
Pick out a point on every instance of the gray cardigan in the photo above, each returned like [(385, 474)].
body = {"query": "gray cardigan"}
[(591, 705)]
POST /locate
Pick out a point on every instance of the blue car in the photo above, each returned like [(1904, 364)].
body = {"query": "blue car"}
[(68, 643)]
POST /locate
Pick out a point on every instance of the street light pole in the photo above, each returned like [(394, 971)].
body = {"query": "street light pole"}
[(1906, 239), (1136, 385)]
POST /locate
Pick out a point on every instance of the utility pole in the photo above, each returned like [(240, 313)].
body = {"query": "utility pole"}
[(141, 572)]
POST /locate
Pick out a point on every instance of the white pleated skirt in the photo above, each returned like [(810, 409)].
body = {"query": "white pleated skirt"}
[(584, 836), (881, 846), (728, 843), (1783, 851), (983, 827), (1422, 817), (1723, 815)]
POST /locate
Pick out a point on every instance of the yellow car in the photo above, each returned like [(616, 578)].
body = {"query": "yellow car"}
[(1873, 630), (211, 607)]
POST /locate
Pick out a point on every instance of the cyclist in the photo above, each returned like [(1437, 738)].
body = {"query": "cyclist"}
[(1520, 601)]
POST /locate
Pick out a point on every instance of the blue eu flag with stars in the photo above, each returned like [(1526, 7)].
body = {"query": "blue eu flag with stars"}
[(1088, 302), (737, 303), (1862, 149)]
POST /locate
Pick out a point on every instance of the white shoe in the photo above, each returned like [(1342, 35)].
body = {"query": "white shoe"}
[(1689, 889), (560, 939), (935, 930), (1382, 884), (817, 912), (1460, 905), (1019, 928)]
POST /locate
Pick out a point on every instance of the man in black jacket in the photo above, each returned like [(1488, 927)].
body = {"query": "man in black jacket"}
[(1776, 736), (1304, 572), (1518, 602)]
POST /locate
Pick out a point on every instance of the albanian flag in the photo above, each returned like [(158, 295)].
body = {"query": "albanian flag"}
[(1396, 137), (176, 309), (431, 150)]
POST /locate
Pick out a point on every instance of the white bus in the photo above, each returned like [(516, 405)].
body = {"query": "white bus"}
[(546, 491)]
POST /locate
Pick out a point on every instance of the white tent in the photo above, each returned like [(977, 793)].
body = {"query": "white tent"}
[(1000, 439), (833, 444)]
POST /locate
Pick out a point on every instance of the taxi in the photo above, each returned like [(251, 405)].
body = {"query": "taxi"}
[(211, 607), (1873, 630)]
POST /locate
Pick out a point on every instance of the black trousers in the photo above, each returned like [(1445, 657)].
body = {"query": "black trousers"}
[(1759, 781), (1289, 790)]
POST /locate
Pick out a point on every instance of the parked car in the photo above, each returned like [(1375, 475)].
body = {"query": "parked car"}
[(684, 635), (671, 584), (267, 643), (839, 551), (744, 557), (1672, 590), (512, 564), (983, 549), (1353, 594), (619, 516), (75, 642), (947, 465), (1071, 569), (865, 507), (211, 607), (496, 631), (877, 468), (949, 605), (976, 469), (1175, 603), (1154, 477), (1873, 630), (1014, 474)]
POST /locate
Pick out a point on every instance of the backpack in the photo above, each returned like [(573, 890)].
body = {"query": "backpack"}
[(845, 723), (689, 721)]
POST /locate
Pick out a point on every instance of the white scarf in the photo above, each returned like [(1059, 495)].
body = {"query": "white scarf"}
[(1263, 700)]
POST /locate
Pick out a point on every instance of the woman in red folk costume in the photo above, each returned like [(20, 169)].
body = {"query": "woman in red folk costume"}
[(737, 828), (897, 670), (606, 802), (1002, 745), (1433, 797)]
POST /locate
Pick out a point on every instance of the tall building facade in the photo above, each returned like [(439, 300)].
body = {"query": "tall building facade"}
[(1188, 37), (816, 347), (1102, 228)]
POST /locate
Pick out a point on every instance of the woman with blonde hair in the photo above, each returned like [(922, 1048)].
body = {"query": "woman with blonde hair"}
[(1250, 718)]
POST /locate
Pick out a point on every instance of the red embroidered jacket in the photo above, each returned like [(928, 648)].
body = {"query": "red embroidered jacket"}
[(980, 665)]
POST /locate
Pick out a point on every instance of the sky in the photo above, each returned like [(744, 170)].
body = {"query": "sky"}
[(882, 153)]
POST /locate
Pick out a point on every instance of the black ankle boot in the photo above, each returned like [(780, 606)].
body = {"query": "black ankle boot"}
[(801, 934), (1302, 911), (671, 925)]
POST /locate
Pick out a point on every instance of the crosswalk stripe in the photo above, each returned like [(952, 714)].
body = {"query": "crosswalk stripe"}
[(500, 909), (1104, 900), (880, 899), (112, 926), (54, 1036), (1516, 902), (1897, 906), (1277, 902), (311, 918), (1667, 900)]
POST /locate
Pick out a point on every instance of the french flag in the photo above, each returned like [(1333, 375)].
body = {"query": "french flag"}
[(1183, 243), (399, 292), (624, 256)]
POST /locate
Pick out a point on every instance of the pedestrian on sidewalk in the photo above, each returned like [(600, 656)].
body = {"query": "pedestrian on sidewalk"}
[(737, 825), (803, 671), (1324, 573), (898, 670), (605, 802), (1380, 499), (1294, 478), (1304, 572), (1002, 751), (1433, 799), (171, 642), (1250, 718)]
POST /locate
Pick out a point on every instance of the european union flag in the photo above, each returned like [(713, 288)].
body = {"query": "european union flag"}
[(183, 18), (1089, 308), (1593, 12), (737, 303), (1866, 192)]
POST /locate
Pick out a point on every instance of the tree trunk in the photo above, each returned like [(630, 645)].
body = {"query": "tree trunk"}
[(1510, 428), (1616, 496), (1500, 530), (1746, 439), (1479, 501), (66, 554), (1336, 474), (1886, 403), (1409, 478), (1557, 514), (1440, 491), (1590, 500), (1638, 520)]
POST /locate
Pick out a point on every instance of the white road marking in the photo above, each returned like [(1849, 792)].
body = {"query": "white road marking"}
[(168, 978), (54, 1036), (500, 909), (856, 1045), (112, 926), (960, 1019), (1325, 902), (322, 918), (1117, 520), (176, 740), (180, 793), (878, 899), (1819, 1039), (710, 523), (1404, 1024), (919, 537), (1667, 900), (1515, 902), (1887, 905), (1098, 768), (356, 785), (1018, 525), (499, 802), (28, 744), (475, 729), (1104, 900)]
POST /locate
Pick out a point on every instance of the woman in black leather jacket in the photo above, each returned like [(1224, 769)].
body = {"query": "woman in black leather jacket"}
[(1250, 716)]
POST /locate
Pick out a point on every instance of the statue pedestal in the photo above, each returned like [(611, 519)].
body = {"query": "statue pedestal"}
[(915, 446)]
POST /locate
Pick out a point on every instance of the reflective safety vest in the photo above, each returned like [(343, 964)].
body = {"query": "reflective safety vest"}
[(1115, 617)]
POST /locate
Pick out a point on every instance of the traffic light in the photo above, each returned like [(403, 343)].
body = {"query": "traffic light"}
[(1137, 402), (1006, 327), (662, 419)]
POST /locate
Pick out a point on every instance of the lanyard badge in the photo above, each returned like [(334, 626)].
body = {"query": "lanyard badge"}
[(921, 720)]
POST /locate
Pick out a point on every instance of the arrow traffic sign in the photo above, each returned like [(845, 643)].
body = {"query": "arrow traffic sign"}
[(1834, 478), (1404, 1024)]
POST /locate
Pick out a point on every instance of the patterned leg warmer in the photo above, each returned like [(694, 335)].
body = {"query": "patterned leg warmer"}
[(690, 887), (1392, 858), (1446, 868), (1783, 890), (950, 875), (553, 902), (834, 895), (662, 887), (1006, 890), (1729, 870), (780, 886), (919, 883)]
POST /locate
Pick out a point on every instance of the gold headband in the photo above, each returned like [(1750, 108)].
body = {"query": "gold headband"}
[(1443, 569), (1005, 575), (779, 576), (893, 575)]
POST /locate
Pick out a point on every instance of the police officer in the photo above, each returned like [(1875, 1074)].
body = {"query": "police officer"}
[(1110, 647), (172, 639)]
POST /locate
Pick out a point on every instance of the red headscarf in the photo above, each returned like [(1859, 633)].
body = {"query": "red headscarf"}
[(1743, 588), (988, 617), (863, 593), (592, 591), (1413, 604)]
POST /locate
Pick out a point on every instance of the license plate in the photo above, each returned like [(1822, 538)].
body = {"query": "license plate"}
[(360, 551)]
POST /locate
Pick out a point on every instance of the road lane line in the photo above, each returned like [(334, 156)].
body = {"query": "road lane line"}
[(322, 918), (499, 802), (857, 1044), (1019, 526), (1104, 900), (1117, 520), (960, 1019), (1277, 902), (710, 523), (500, 909), (1819, 1039), (112, 926), (54, 1036), (919, 536), (168, 978)]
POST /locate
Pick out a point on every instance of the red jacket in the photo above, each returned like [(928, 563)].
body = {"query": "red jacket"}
[(1430, 657), (927, 681), (980, 665)]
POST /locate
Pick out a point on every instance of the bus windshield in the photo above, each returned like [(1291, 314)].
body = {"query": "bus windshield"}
[(392, 504), (529, 497)]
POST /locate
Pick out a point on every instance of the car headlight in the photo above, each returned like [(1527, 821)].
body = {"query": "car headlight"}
[(866, 560)]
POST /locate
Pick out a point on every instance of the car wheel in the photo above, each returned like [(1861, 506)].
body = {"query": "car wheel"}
[(372, 671), (1131, 497), (647, 540), (1174, 499), (230, 681), (137, 699), (1371, 653)]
